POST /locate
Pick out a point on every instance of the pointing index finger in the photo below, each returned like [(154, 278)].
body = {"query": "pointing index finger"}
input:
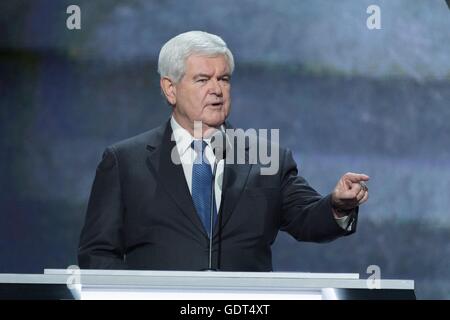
[(357, 177)]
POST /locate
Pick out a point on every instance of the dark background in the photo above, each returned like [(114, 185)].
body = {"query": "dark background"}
[(346, 98)]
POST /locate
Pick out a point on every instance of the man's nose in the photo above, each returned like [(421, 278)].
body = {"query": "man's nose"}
[(216, 88)]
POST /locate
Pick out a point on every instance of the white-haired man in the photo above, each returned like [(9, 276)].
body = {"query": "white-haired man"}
[(147, 211)]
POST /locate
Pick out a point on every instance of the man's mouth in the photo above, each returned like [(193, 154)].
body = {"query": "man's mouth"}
[(216, 104)]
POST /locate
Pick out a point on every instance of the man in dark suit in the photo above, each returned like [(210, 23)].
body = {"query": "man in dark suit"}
[(153, 194)]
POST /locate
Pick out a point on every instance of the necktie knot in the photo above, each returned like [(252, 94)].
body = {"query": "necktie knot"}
[(199, 146)]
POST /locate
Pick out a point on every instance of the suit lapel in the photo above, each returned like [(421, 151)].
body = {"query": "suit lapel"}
[(234, 181), (171, 175)]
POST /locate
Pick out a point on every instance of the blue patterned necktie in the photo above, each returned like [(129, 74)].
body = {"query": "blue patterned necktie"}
[(201, 184)]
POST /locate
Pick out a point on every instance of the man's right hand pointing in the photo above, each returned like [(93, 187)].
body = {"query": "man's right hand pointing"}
[(350, 192)]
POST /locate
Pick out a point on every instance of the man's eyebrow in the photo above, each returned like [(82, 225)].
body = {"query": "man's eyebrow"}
[(200, 75)]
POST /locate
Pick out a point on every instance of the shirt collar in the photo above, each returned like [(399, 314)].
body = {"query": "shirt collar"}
[(183, 138)]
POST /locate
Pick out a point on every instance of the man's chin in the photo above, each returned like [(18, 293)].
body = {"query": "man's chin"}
[(214, 120)]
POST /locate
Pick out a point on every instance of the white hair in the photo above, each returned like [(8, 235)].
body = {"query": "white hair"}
[(174, 53)]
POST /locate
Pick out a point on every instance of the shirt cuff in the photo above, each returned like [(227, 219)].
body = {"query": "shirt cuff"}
[(345, 222)]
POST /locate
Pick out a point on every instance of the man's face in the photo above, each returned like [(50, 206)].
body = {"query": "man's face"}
[(203, 93)]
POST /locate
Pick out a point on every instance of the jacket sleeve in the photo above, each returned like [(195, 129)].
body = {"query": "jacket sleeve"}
[(306, 215), (101, 241)]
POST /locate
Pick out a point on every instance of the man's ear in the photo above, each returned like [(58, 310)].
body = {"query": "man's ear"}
[(169, 89)]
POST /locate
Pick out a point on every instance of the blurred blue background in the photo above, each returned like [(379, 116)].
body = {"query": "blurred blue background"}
[(346, 98)]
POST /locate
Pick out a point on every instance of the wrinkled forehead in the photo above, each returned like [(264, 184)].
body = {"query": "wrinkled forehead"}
[(205, 64)]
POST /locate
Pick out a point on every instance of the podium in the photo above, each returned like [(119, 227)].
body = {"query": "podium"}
[(198, 285)]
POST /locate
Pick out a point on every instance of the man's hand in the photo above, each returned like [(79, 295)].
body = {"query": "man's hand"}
[(350, 192)]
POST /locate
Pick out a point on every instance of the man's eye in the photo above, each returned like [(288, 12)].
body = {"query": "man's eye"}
[(202, 80), (225, 79)]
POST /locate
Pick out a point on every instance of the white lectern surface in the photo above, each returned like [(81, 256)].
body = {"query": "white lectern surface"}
[(180, 285)]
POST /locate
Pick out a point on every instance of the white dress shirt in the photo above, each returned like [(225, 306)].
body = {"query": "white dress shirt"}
[(183, 140)]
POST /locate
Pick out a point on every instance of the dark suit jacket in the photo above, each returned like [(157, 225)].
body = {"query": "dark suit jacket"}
[(141, 214)]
